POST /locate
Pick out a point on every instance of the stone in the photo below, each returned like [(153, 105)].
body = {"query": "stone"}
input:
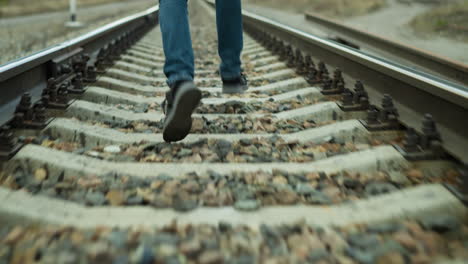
[(415, 174), (398, 177), (112, 149), (391, 257), (364, 241), (224, 227), (185, 205), (379, 188), (420, 259), (286, 196), (14, 235), (40, 174), (406, 240), (222, 148), (198, 124), (67, 257), (243, 259), (441, 223), (319, 198), (247, 205), (334, 241), (351, 183), (211, 257), (143, 255), (362, 256), (280, 180), (190, 248), (118, 239), (99, 253), (305, 189), (318, 255), (166, 250), (95, 198), (116, 197), (184, 152)]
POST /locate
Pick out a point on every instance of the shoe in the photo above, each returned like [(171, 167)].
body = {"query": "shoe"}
[(235, 86), (178, 107)]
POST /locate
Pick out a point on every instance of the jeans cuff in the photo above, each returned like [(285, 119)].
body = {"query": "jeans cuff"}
[(179, 77), (230, 75)]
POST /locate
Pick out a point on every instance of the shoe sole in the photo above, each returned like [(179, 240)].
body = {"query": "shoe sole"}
[(179, 120), (234, 89)]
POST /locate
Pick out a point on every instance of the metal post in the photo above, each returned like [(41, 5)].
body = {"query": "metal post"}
[(73, 10), (73, 18)]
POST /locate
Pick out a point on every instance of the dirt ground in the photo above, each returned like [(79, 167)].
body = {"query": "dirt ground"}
[(449, 19), (11, 8), (25, 35), (332, 8), (394, 21)]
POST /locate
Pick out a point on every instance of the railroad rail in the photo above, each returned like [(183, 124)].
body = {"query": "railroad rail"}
[(300, 169), (436, 65)]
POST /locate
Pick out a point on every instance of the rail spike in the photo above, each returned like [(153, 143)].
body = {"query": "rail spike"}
[(425, 146), (357, 101), (9, 144)]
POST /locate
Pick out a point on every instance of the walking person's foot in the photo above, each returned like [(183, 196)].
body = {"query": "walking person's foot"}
[(179, 105), (235, 86)]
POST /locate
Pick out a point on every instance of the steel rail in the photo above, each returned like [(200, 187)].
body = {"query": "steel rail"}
[(30, 74), (415, 93), (441, 66)]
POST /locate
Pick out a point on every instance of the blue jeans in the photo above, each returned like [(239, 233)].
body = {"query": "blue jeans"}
[(174, 23)]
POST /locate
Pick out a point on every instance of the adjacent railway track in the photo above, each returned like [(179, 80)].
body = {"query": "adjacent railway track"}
[(300, 169), (434, 64)]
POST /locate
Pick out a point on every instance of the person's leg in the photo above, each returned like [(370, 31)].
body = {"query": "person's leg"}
[(184, 96), (177, 43), (230, 39)]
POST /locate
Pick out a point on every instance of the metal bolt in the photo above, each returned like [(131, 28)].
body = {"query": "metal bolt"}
[(437, 149), (388, 108), (322, 71), (77, 82), (411, 141), (79, 64), (347, 97), (24, 104), (364, 102), (430, 132), (287, 53), (322, 67), (91, 75), (312, 75), (7, 139), (337, 79), (359, 92), (341, 86), (327, 84), (39, 112), (308, 61), (66, 69), (291, 59), (62, 93), (372, 116)]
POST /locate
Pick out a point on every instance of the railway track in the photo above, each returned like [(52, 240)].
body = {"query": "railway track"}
[(436, 65), (305, 167)]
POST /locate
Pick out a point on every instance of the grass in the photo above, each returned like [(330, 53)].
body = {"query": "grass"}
[(449, 20), (330, 8), (11, 8)]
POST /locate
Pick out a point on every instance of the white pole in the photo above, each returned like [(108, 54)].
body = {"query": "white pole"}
[(72, 10), (73, 17)]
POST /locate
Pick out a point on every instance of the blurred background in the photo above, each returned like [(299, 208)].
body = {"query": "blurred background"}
[(28, 26), (437, 26)]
